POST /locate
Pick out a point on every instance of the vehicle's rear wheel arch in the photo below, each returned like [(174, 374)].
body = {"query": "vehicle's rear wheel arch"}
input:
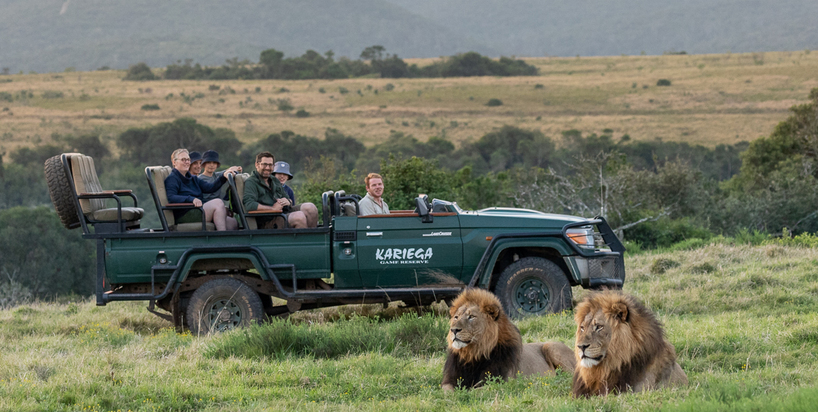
[(512, 254)]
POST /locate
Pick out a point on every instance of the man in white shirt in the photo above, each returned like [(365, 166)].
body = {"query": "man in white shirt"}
[(372, 203)]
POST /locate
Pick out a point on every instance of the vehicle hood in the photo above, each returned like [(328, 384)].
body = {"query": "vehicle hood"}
[(508, 218)]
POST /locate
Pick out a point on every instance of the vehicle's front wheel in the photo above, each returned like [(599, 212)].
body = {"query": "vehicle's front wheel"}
[(533, 286), (223, 304)]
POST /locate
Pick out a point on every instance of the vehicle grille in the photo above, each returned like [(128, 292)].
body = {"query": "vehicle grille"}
[(346, 235), (607, 268)]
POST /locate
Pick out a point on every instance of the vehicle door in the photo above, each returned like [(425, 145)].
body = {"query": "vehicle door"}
[(400, 250)]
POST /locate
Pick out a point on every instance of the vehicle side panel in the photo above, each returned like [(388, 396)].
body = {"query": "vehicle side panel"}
[(129, 259)]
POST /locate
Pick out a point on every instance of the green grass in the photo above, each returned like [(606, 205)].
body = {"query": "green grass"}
[(742, 319)]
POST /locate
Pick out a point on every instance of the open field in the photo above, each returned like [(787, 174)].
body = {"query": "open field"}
[(742, 319), (712, 99)]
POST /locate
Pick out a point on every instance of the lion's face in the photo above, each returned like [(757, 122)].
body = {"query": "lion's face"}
[(593, 339), (469, 324)]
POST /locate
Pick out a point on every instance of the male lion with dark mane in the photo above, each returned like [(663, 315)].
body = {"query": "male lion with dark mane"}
[(484, 343), (620, 347)]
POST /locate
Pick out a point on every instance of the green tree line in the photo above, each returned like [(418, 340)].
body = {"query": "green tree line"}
[(654, 193), (374, 61)]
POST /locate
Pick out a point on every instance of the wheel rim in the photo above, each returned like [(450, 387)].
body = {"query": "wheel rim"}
[(223, 314), (531, 296)]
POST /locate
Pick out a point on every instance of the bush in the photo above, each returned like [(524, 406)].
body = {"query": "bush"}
[(663, 82), (389, 87), (494, 102), (148, 107), (302, 113), (52, 94), (213, 87), (343, 90), (6, 96), (140, 72), (284, 105)]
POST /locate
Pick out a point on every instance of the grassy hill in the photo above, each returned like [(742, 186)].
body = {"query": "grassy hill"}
[(45, 35), (600, 27), (741, 317), (712, 99)]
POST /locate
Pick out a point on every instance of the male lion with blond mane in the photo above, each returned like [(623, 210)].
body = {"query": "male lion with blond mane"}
[(484, 343), (621, 347)]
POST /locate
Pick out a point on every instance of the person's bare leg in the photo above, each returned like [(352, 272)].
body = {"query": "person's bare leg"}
[(297, 220), (215, 212), (311, 213), (231, 223)]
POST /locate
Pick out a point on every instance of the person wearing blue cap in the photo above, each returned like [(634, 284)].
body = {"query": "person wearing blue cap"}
[(282, 173), (195, 163)]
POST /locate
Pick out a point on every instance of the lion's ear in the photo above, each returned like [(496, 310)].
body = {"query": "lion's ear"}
[(493, 310), (452, 310), (621, 312)]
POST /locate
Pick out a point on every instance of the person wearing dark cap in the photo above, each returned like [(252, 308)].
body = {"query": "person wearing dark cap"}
[(282, 173), (210, 162), (195, 163)]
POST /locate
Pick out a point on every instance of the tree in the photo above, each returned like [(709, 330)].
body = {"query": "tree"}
[(140, 72), (39, 254), (373, 53)]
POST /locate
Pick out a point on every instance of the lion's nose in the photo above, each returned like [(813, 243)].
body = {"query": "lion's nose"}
[(455, 330), (583, 347)]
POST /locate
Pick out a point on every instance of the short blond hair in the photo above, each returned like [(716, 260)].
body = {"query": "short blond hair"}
[(176, 153), (370, 177)]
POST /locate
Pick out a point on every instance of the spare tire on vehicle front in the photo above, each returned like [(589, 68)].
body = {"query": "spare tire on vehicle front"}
[(61, 192)]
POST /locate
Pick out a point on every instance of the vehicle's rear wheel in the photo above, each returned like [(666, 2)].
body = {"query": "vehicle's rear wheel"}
[(223, 304), (61, 192), (533, 286)]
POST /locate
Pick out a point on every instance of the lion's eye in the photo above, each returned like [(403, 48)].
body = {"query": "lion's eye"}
[(471, 317), (582, 328), (598, 328)]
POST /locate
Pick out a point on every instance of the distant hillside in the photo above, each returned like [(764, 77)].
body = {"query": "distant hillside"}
[(47, 35), (605, 27), (51, 35)]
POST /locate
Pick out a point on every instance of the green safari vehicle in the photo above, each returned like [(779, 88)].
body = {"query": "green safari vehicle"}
[(213, 281)]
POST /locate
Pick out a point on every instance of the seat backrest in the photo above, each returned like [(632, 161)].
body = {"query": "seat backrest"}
[(158, 174), (240, 178), (85, 181), (248, 221)]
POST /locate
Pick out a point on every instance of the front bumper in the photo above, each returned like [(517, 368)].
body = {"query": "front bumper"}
[(598, 272)]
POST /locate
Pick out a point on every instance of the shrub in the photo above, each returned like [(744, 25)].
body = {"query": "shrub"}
[(147, 107), (140, 72), (663, 82), (343, 90), (322, 90), (284, 105), (213, 87), (539, 86), (661, 265), (494, 102), (6, 96), (52, 94), (389, 87), (302, 113)]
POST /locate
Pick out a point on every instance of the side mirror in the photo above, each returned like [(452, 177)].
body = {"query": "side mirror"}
[(423, 209)]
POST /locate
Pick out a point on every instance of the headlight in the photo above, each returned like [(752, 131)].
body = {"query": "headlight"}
[(582, 237)]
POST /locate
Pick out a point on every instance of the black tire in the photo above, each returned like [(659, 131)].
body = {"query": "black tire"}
[(61, 192), (223, 304), (533, 286)]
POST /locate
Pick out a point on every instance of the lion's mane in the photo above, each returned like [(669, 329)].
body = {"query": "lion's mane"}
[(636, 355)]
